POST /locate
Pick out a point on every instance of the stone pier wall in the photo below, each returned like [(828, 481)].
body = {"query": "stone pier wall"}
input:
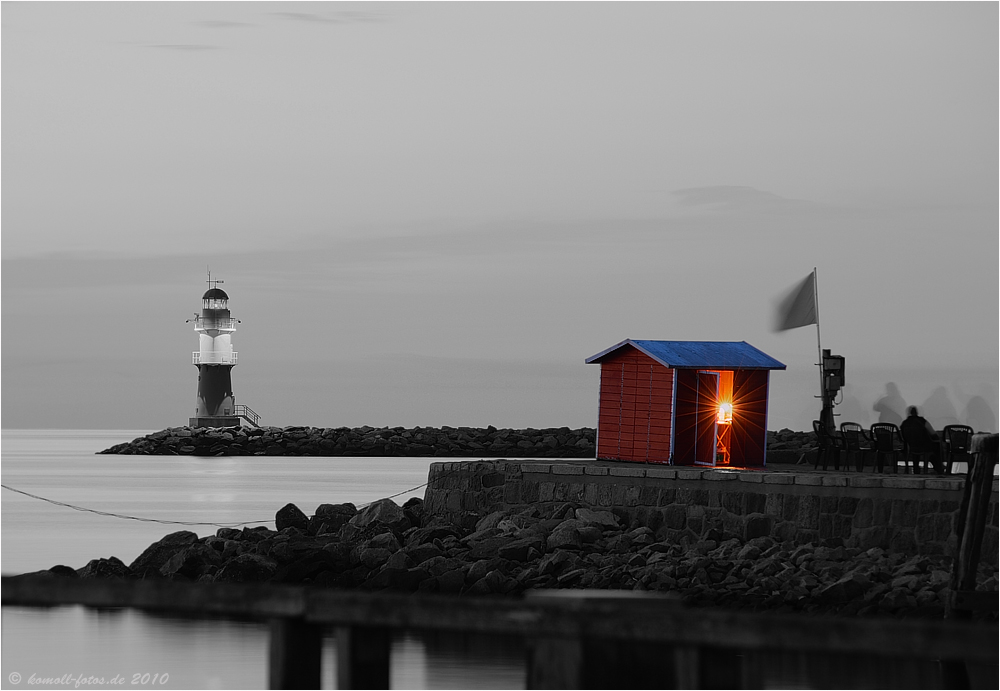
[(906, 514)]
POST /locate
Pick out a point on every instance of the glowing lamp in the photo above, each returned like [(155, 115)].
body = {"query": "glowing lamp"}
[(725, 416)]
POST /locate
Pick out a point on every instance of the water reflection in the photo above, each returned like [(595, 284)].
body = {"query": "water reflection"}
[(221, 654)]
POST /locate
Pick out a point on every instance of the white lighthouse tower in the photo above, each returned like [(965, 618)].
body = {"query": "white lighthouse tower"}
[(215, 359)]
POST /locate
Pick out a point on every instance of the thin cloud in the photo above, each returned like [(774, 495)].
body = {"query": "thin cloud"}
[(186, 46), (735, 198), (331, 18), (221, 24)]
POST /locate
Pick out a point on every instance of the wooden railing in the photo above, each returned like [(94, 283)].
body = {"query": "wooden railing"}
[(574, 638)]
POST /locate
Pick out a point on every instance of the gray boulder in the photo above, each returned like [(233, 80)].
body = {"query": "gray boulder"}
[(384, 511), (104, 568), (604, 519), (290, 516), (158, 553), (246, 568), (192, 561)]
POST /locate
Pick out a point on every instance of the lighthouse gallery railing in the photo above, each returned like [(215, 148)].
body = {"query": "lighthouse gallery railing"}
[(213, 358)]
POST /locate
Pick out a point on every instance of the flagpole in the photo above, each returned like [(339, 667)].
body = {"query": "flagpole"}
[(819, 345)]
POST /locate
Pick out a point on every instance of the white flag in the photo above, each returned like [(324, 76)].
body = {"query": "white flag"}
[(798, 308)]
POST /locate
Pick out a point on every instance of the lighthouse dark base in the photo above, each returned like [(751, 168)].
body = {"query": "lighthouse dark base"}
[(216, 407)]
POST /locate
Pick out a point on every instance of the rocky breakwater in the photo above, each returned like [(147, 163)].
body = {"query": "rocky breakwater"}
[(453, 442), (547, 545)]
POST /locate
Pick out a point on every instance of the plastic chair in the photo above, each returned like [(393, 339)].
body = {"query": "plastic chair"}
[(856, 444), (957, 439), (886, 443), (829, 445)]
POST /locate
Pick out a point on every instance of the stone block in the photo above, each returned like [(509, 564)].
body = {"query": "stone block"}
[(546, 491), (902, 541), (688, 474), (695, 510), (529, 492), (834, 480), (567, 469), (755, 502), (942, 527), (847, 506), (687, 495), (535, 467), (595, 470), (790, 507), (843, 526), (714, 498), (752, 477), (559, 492), (605, 495), (950, 483), (632, 495), (719, 475), (512, 493), (808, 518), (626, 471), (864, 514), (903, 482), (492, 480), (924, 532), (928, 506), (591, 493), (733, 502), (882, 512), (904, 513), (863, 481), (574, 491), (772, 504), (668, 495), (813, 480), (674, 517), (649, 495), (779, 479), (665, 473), (826, 525)]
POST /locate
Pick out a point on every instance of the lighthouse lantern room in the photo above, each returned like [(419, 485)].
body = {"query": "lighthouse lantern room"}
[(215, 359)]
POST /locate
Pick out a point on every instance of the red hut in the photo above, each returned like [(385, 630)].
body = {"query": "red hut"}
[(684, 402)]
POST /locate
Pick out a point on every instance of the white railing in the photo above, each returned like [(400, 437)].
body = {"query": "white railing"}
[(213, 358), (201, 324)]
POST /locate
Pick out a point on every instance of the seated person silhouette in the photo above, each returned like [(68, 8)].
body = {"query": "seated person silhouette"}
[(920, 437)]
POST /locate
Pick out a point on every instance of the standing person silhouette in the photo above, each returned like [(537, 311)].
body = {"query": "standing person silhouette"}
[(890, 407)]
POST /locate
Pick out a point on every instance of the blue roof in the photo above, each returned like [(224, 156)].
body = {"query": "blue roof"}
[(723, 355)]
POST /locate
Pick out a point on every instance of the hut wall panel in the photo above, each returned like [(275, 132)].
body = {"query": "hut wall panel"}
[(635, 407), (748, 437)]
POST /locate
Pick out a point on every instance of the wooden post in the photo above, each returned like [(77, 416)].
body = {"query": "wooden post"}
[(555, 663), (295, 654), (363, 657), (972, 518), (687, 663)]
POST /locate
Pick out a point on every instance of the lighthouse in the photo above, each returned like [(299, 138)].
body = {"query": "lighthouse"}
[(215, 359)]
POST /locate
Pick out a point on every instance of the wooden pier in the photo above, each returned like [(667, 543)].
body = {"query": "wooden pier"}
[(573, 639)]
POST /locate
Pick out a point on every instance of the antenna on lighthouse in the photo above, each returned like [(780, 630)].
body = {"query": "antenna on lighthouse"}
[(211, 283)]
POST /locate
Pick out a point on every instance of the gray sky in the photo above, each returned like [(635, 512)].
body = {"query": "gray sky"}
[(433, 213)]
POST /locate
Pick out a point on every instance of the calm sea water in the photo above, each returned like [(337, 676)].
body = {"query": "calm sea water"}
[(62, 465)]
